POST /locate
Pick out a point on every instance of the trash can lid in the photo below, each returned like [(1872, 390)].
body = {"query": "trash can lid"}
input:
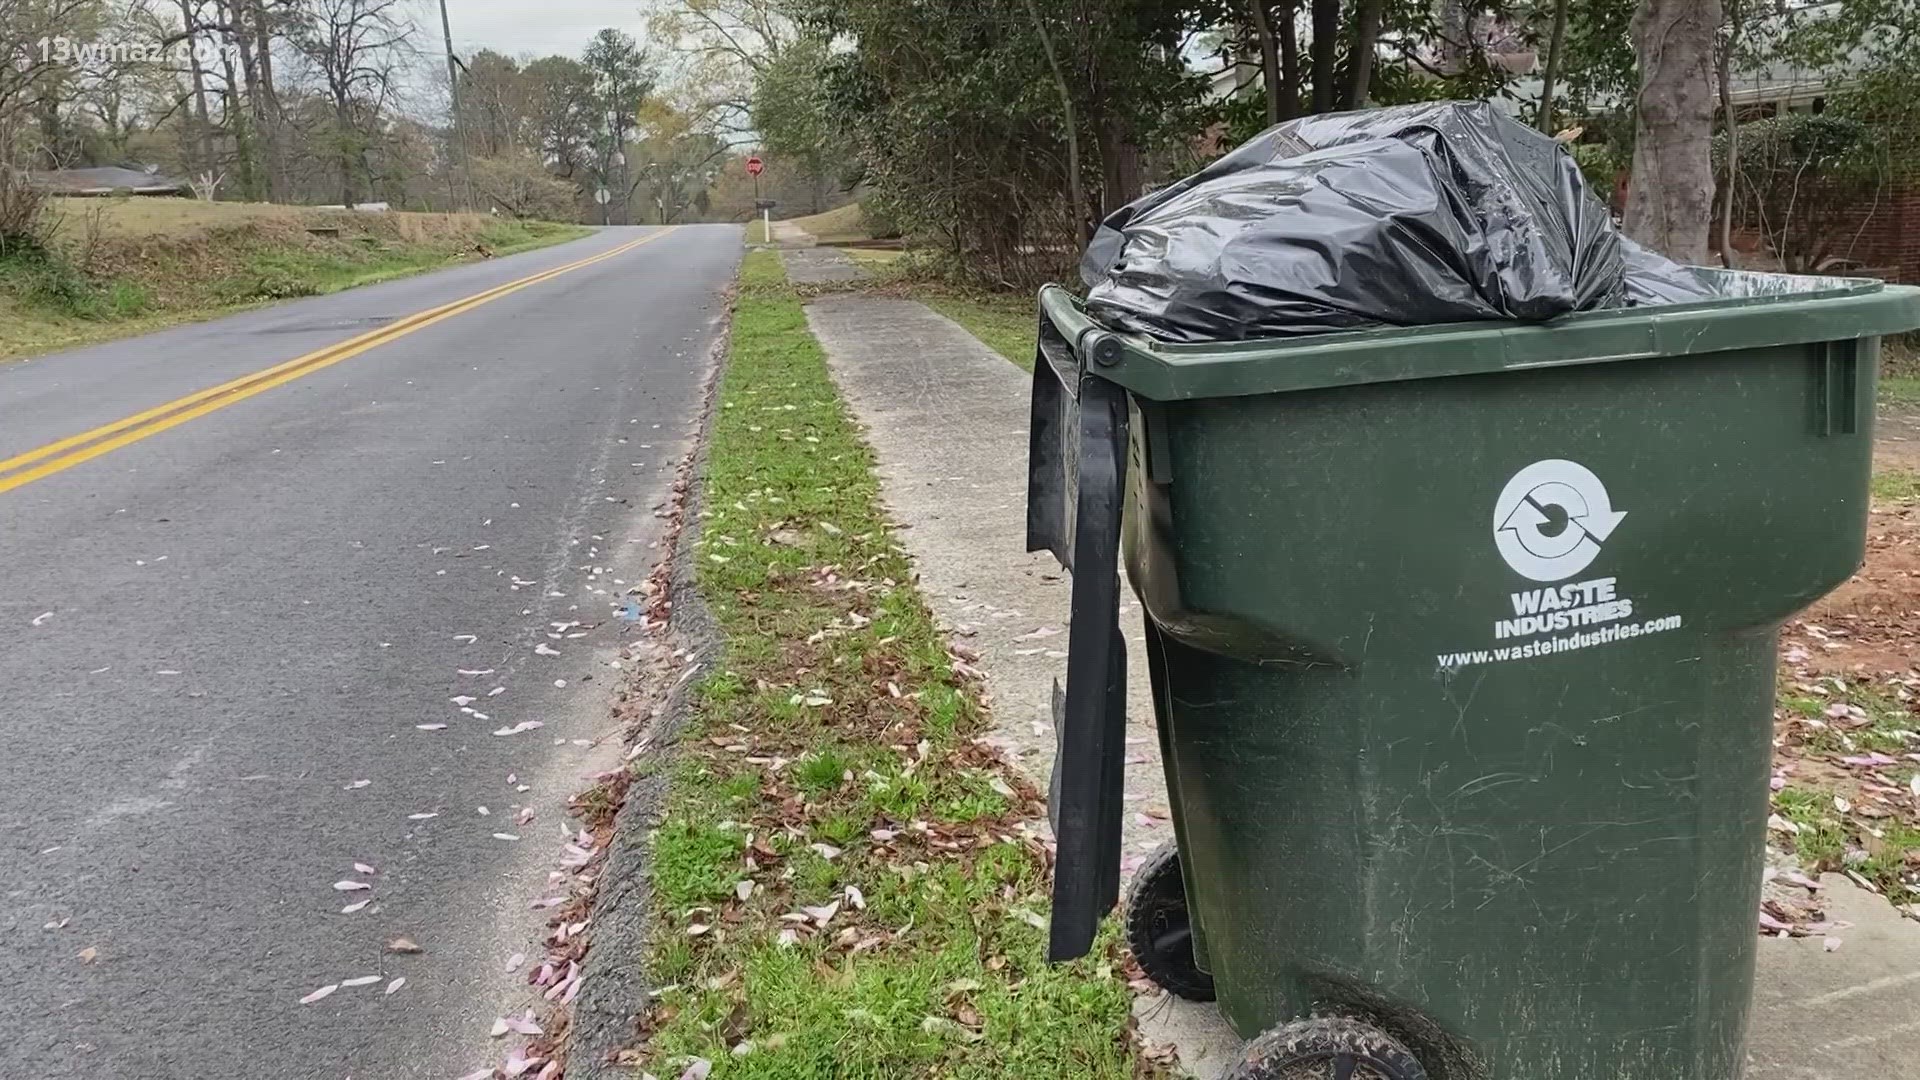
[(1756, 310)]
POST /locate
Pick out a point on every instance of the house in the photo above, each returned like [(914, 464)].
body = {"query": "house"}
[(101, 182)]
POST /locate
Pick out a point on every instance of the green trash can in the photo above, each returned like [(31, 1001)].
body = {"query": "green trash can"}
[(1462, 648)]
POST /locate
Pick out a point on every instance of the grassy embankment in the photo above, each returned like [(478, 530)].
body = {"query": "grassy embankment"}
[(119, 267)]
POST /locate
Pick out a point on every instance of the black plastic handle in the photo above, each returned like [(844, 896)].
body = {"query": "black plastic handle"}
[(1076, 490)]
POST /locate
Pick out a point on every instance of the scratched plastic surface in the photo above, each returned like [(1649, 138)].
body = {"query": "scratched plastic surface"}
[(1465, 682)]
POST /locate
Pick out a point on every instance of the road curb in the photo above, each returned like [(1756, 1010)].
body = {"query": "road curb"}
[(615, 987)]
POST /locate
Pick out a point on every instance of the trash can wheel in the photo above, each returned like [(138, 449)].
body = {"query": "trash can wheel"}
[(1159, 929), (1326, 1048)]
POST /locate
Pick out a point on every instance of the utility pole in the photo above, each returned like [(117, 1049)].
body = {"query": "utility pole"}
[(459, 125)]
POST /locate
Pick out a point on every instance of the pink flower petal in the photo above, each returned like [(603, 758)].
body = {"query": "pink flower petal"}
[(524, 1025), (320, 993)]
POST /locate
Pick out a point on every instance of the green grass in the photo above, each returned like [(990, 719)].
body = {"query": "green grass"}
[(831, 757), (1007, 322), (1826, 833), (274, 275), (1904, 390), (1821, 841), (1896, 485), (1825, 836), (836, 226), (47, 302)]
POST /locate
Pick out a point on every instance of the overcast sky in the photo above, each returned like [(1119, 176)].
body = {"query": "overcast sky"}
[(539, 27)]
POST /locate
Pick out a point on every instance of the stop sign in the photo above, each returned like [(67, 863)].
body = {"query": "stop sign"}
[(755, 166)]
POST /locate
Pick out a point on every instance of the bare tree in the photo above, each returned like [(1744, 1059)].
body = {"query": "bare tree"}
[(26, 64), (1670, 203), (251, 114), (265, 24), (358, 48), (726, 45)]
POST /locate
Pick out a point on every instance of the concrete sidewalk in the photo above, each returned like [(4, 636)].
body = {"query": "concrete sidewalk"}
[(947, 419), (819, 265)]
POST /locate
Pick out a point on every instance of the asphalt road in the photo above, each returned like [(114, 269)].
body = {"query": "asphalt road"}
[(218, 641)]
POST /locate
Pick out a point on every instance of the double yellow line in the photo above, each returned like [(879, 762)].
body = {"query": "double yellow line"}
[(23, 469)]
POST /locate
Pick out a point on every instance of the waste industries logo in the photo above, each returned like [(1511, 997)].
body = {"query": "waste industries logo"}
[(1551, 519), (1549, 524)]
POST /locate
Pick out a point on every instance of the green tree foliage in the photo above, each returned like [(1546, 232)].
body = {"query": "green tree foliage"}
[(953, 113), (1869, 50), (1599, 72), (561, 113), (790, 109), (623, 76)]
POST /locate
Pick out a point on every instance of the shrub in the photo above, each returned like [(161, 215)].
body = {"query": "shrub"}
[(23, 213), (1801, 181)]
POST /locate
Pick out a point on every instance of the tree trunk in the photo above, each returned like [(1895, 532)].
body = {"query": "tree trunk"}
[(1076, 191), (459, 122), (271, 121), (343, 121), (250, 61), (1735, 16), (1552, 73), (1120, 161), (1366, 32), (245, 163), (1324, 48), (203, 133), (1289, 60), (1269, 58), (1670, 203)]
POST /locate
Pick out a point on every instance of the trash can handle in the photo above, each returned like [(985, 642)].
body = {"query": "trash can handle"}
[(1076, 489), (1057, 306)]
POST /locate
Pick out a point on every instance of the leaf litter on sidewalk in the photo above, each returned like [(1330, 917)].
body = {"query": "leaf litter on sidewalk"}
[(846, 881)]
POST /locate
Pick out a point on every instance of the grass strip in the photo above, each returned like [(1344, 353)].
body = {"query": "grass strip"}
[(1896, 485), (1900, 390), (1832, 723), (1007, 322), (846, 884)]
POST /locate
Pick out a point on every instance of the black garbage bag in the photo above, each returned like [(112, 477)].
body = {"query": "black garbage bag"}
[(1416, 214), (1654, 279)]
